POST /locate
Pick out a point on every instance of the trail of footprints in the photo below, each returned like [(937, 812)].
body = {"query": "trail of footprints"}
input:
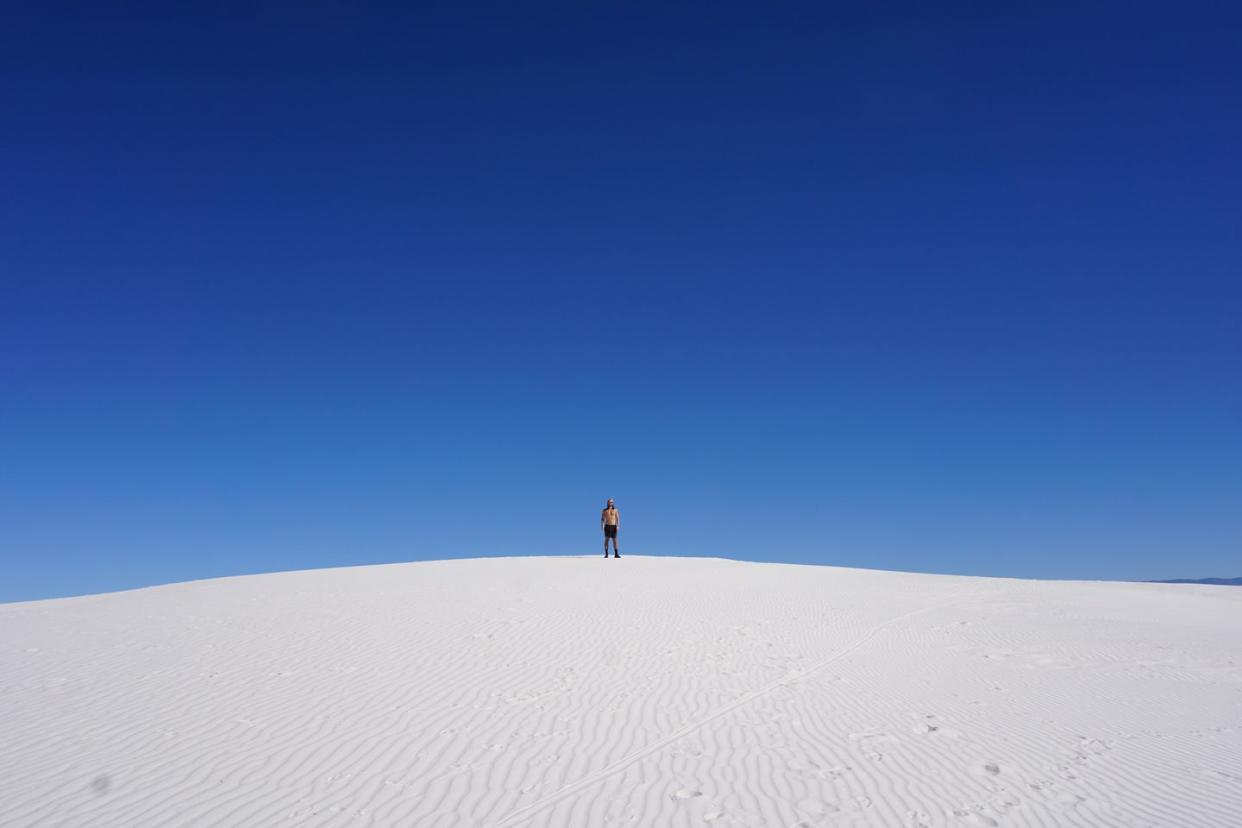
[(1004, 788)]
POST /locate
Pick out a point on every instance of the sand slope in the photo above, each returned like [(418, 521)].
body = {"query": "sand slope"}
[(640, 691)]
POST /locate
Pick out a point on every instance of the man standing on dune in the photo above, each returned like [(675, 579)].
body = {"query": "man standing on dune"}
[(610, 522)]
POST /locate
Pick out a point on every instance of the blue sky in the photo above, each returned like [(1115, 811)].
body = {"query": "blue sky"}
[(948, 289)]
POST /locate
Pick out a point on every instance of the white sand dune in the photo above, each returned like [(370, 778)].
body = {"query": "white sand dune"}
[(640, 691)]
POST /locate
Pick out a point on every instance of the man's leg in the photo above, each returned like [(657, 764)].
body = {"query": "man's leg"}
[(605, 543)]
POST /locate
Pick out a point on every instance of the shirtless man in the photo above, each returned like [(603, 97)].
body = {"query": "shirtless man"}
[(610, 522)]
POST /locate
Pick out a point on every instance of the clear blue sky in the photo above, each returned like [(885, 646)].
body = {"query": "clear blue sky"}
[(937, 287)]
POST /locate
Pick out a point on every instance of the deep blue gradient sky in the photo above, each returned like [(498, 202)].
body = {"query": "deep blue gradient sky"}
[(946, 288)]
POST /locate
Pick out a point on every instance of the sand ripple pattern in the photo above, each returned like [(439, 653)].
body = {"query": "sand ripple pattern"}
[(641, 691)]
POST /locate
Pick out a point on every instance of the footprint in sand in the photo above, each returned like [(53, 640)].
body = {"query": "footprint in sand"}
[(928, 724), (689, 749), (1001, 804), (1093, 746), (685, 793), (806, 768), (1069, 800), (873, 739), (816, 807), (1088, 749)]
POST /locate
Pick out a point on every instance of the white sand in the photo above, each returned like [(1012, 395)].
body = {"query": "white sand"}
[(640, 691)]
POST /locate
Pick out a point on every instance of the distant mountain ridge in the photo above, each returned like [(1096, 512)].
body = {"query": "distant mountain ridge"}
[(1213, 581)]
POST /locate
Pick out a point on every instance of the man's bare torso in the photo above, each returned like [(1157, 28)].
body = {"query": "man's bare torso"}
[(611, 517)]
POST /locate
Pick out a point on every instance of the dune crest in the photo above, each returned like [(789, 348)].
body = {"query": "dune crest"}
[(642, 691)]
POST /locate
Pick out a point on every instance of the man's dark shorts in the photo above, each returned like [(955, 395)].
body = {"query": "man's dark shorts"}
[(610, 531)]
